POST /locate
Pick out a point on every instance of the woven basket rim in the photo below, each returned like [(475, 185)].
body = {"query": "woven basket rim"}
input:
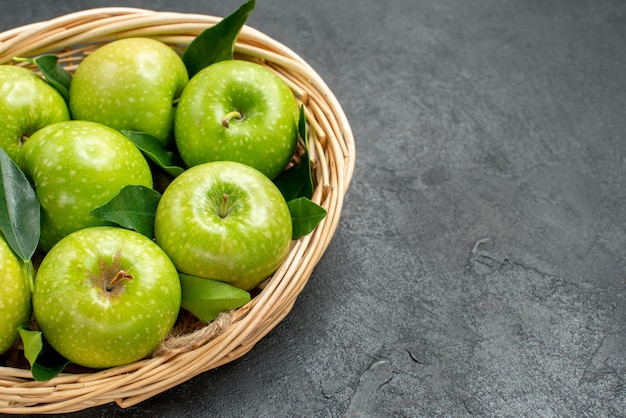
[(233, 334)]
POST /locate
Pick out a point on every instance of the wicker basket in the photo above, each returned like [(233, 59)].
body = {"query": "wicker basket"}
[(192, 348)]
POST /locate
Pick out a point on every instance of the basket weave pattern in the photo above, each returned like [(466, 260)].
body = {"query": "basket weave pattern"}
[(192, 348)]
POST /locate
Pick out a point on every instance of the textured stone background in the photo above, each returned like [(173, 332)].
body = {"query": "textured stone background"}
[(479, 267)]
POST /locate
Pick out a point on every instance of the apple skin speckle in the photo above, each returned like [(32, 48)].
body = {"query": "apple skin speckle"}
[(77, 166), (27, 104), (264, 137), (15, 297), (242, 248), (96, 328), (127, 78)]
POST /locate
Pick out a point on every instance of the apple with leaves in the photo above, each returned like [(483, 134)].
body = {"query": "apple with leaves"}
[(239, 111), (15, 298), (225, 221), (27, 104), (106, 296), (75, 167), (130, 84)]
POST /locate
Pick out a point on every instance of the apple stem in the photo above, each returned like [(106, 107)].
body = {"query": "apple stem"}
[(224, 206), (234, 114), (120, 277)]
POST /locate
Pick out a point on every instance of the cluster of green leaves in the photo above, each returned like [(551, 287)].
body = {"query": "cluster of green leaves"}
[(135, 206)]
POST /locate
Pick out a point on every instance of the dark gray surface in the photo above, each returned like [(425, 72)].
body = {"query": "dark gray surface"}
[(479, 267)]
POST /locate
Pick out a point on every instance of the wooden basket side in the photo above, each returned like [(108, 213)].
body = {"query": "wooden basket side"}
[(331, 145)]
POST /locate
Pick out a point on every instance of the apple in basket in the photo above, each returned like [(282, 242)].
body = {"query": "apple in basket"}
[(27, 104), (226, 221), (237, 111), (130, 84), (75, 167), (106, 296), (15, 297)]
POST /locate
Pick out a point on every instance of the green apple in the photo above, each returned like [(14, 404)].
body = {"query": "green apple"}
[(27, 104), (130, 84), (15, 297), (106, 296), (225, 221), (237, 111), (76, 166)]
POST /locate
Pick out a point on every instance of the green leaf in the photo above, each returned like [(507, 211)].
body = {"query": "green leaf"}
[(305, 216), (32, 344), (154, 150), (19, 209), (302, 127), (216, 43), (134, 207), (54, 73), (297, 181), (45, 362), (206, 298)]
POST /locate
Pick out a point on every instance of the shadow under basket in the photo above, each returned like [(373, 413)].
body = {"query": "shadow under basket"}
[(192, 347)]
